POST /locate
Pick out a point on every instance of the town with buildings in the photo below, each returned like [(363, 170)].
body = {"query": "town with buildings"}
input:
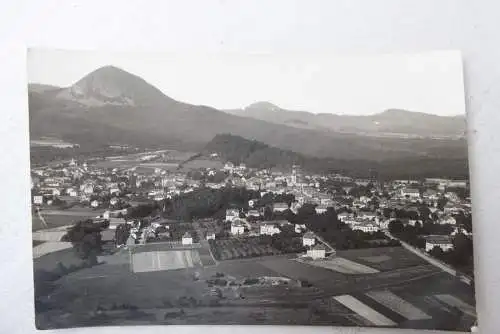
[(232, 212), (148, 210), (361, 204)]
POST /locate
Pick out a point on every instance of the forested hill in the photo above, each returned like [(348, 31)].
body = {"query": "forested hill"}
[(259, 155), (251, 152)]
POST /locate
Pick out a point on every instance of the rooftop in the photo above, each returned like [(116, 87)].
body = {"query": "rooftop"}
[(438, 239), (319, 247), (309, 235)]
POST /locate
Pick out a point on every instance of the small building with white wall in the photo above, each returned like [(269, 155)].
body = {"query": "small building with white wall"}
[(317, 252), (187, 239), (308, 239), (442, 241)]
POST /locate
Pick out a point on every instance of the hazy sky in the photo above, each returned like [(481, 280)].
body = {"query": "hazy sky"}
[(344, 84)]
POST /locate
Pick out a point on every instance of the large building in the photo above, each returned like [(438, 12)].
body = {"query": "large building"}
[(269, 228), (237, 227), (280, 207), (308, 239), (232, 214), (317, 252), (442, 241)]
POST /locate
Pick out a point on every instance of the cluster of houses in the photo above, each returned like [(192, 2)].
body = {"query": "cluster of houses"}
[(364, 212), (114, 189), (105, 188)]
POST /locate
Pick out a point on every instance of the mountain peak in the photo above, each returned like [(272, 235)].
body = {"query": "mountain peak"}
[(111, 85), (263, 105)]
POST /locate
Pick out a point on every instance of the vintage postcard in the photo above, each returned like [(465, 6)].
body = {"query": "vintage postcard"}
[(250, 189)]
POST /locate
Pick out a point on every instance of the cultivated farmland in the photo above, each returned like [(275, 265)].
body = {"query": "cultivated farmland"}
[(165, 260), (408, 294), (240, 248), (383, 259)]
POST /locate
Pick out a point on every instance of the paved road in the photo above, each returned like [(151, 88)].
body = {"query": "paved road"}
[(44, 223)]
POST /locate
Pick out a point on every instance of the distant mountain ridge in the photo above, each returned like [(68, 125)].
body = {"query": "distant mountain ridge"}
[(391, 122), (110, 105)]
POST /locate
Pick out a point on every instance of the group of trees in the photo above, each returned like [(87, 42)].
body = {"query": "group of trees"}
[(85, 236), (408, 233), (122, 233), (340, 235), (203, 176), (460, 257), (206, 203), (141, 211), (288, 241)]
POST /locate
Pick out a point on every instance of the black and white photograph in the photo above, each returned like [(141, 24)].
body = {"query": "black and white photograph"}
[(250, 189)]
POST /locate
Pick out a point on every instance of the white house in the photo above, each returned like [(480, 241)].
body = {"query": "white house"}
[(228, 167), (364, 199), (232, 214), (87, 188), (299, 228), (460, 230), (317, 252), (308, 239), (447, 220), (431, 194), (343, 216), (412, 193), (384, 224), (253, 213), (94, 203), (210, 235), (320, 209), (72, 193), (114, 191), (113, 201), (38, 199), (367, 215), (187, 239), (56, 192), (237, 227), (280, 207), (413, 222), (442, 241), (366, 227), (268, 228)]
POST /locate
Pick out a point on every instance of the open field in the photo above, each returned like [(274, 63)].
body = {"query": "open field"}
[(50, 247), (201, 163), (37, 242), (170, 162), (49, 262), (165, 260), (383, 258), (374, 317), (205, 255), (342, 265), (240, 248), (57, 218), (403, 296), (398, 305)]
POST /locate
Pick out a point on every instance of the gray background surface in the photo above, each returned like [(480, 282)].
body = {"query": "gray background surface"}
[(345, 27)]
